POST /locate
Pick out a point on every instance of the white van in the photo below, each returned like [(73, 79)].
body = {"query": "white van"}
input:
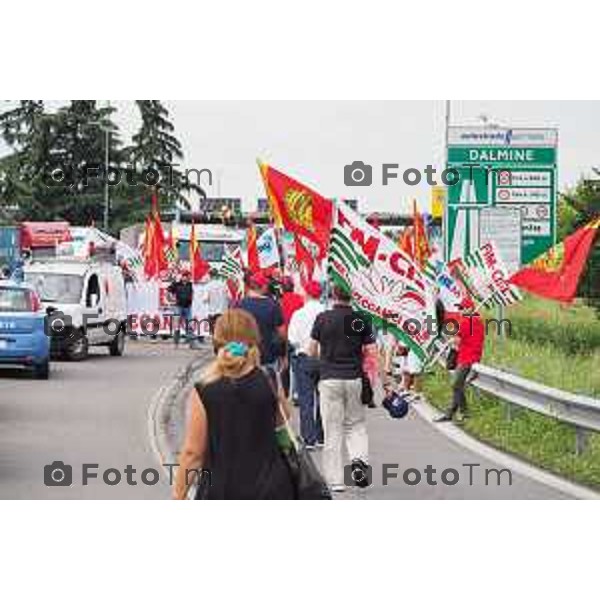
[(85, 303)]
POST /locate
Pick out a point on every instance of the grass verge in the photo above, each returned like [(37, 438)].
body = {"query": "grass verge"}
[(538, 439), (547, 364)]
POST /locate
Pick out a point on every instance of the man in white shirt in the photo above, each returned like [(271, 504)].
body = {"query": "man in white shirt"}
[(216, 298), (306, 367)]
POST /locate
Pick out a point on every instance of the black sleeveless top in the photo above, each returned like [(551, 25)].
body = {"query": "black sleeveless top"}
[(242, 455)]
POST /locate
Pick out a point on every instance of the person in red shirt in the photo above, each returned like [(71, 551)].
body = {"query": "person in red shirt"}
[(469, 343), (290, 300)]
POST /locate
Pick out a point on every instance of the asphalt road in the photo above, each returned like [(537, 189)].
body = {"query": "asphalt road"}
[(97, 412), (90, 412), (408, 446)]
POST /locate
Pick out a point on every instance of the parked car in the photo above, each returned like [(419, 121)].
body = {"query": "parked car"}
[(23, 340)]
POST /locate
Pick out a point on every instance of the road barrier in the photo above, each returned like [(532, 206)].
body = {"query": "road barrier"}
[(581, 411)]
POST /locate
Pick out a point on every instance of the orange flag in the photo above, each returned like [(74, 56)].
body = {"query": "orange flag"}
[(421, 250), (405, 242), (555, 274)]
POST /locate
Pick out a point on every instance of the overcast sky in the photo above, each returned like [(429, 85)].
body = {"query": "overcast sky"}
[(312, 141)]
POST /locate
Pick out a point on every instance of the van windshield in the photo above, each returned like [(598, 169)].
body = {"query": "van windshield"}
[(15, 300), (56, 287)]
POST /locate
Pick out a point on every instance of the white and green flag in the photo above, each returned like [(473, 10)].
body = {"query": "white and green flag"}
[(484, 277), (385, 282), (233, 264)]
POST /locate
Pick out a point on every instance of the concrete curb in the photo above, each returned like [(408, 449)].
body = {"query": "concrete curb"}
[(456, 434), (167, 409)]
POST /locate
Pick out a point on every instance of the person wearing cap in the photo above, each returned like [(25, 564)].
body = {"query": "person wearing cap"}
[(468, 342), (290, 302), (183, 292), (305, 367), (339, 337), (269, 318)]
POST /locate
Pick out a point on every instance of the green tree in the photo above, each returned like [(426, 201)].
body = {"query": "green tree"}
[(578, 207), (155, 146), (80, 146), (22, 131), (70, 140)]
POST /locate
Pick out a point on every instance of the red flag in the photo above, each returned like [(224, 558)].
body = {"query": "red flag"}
[(275, 215), (421, 251), (305, 261), (555, 274), (251, 243), (159, 236), (299, 209), (234, 289), (199, 267), (150, 264)]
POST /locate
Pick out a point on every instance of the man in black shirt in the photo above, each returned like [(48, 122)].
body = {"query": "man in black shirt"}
[(339, 336), (183, 292)]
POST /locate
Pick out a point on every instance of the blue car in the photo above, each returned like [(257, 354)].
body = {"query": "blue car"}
[(23, 340)]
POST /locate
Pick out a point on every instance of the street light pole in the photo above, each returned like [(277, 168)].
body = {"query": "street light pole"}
[(106, 131), (447, 107), (106, 159)]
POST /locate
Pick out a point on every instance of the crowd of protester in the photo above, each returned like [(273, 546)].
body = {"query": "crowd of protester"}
[(284, 344)]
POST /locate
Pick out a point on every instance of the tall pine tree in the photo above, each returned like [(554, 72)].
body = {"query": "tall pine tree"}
[(155, 146)]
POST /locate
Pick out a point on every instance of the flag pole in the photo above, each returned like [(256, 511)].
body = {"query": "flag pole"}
[(272, 217), (444, 160)]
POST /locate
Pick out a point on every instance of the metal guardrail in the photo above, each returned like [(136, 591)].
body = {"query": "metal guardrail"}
[(581, 411)]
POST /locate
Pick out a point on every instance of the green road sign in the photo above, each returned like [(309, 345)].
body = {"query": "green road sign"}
[(501, 168)]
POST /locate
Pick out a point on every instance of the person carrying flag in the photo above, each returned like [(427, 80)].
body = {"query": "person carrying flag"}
[(468, 343)]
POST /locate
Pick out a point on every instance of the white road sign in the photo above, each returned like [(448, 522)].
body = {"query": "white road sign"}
[(523, 194), (524, 178), (502, 225)]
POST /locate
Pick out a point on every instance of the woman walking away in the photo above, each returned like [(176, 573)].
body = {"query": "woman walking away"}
[(230, 438)]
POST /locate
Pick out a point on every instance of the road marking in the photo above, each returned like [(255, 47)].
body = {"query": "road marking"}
[(427, 413)]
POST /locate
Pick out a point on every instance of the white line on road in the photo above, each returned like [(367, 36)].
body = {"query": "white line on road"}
[(457, 435)]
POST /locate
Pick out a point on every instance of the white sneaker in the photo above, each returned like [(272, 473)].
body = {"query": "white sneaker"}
[(338, 488)]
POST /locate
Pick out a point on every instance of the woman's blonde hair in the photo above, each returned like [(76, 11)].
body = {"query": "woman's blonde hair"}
[(234, 325)]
